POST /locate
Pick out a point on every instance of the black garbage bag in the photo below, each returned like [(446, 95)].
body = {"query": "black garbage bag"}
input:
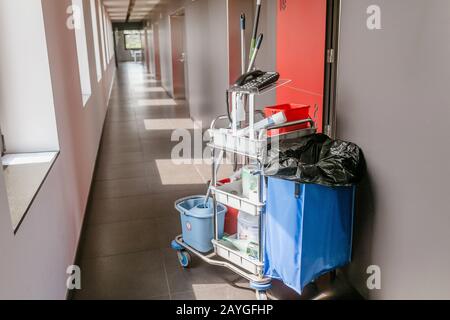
[(316, 159)]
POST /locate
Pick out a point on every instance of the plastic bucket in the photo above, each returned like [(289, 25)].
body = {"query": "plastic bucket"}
[(231, 218), (198, 222), (293, 112)]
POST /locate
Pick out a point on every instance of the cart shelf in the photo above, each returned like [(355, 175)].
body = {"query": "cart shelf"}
[(257, 149), (231, 196), (242, 260), (225, 140)]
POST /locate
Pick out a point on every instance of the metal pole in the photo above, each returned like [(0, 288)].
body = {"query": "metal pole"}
[(255, 52), (243, 48), (234, 103), (214, 184), (255, 27), (252, 115), (261, 215)]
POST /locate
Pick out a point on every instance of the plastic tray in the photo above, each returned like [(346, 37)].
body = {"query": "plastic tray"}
[(224, 250), (225, 140), (231, 196)]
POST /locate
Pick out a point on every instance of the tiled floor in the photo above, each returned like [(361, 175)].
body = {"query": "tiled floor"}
[(125, 251)]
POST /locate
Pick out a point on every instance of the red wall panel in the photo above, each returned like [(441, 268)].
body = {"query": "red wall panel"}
[(301, 34)]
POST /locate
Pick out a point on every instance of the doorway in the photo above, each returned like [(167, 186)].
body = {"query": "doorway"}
[(178, 39), (308, 56), (150, 52)]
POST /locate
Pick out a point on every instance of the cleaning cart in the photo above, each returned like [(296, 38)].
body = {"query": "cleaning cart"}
[(252, 147), (297, 232)]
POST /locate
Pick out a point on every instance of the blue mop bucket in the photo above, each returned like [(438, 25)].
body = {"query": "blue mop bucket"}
[(197, 222)]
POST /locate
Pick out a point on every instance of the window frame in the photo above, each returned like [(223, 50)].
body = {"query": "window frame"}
[(82, 52), (125, 42), (96, 39)]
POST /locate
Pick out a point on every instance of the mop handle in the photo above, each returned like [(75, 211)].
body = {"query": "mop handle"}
[(243, 49), (255, 28), (216, 169), (255, 52)]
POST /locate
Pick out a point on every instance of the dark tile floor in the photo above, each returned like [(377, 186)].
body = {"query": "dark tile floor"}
[(125, 250)]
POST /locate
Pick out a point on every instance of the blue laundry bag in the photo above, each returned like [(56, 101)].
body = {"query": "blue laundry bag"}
[(308, 231)]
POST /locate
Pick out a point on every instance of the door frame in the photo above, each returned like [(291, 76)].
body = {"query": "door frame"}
[(150, 40), (334, 8), (180, 12)]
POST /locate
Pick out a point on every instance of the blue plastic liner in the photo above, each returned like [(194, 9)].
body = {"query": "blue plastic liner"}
[(308, 231)]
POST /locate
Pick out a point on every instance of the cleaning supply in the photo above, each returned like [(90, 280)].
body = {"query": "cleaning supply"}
[(249, 248), (248, 227), (275, 119), (231, 221), (231, 218), (249, 181)]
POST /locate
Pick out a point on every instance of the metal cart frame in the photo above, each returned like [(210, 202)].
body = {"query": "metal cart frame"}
[(254, 148)]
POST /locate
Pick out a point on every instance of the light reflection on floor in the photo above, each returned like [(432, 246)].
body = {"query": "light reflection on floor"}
[(198, 171), (160, 102), (148, 89), (170, 124)]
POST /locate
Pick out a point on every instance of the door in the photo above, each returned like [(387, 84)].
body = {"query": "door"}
[(301, 53), (150, 52), (177, 27), (2, 144)]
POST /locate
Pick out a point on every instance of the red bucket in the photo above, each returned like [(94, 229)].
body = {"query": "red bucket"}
[(293, 112)]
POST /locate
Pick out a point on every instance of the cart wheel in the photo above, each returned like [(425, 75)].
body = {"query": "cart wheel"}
[(261, 296), (176, 246), (184, 258)]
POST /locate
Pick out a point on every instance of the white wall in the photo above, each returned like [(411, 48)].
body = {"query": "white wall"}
[(27, 119), (33, 263), (207, 57), (393, 101), (208, 51)]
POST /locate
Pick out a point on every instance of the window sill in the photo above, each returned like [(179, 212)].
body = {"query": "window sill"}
[(24, 176)]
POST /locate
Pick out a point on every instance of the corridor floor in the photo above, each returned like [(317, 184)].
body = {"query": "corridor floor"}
[(125, 249)]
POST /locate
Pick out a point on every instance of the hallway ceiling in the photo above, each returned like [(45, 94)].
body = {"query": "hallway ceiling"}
[(136, 10)]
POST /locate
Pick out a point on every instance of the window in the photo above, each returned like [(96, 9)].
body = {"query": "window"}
[(98, 63), (111, 36), (102, 34), (83, 60), (105, 29), (27, 115), (133, 40)]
